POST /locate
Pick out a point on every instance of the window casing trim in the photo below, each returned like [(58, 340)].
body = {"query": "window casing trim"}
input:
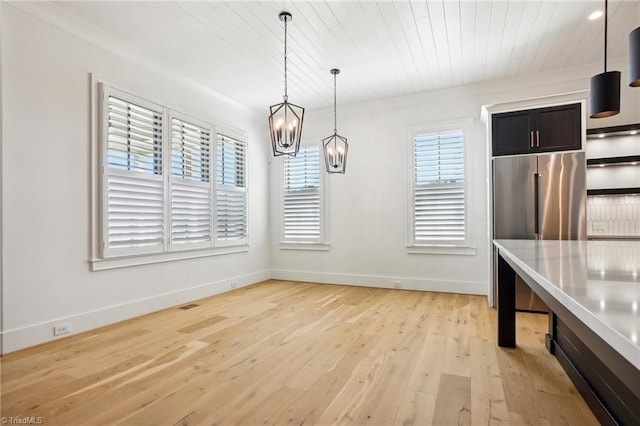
[(99, 264), (467, 246)]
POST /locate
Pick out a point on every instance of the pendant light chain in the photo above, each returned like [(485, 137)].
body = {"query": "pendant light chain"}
[(335, 114), (285, 97)]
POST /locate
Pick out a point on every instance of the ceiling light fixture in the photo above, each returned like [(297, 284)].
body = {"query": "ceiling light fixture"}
[(595, 15), (285, 119), (634, 58), (335, 146), (605, 87)]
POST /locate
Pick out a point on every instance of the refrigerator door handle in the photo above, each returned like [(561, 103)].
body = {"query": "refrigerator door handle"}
[(537, 180)]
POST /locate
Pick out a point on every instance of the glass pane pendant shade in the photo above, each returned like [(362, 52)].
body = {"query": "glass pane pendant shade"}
[(634, 58), (605, 87), (285, 119), (335, 147)]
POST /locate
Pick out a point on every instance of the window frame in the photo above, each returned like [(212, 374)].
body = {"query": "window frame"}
[(467, 246), (101, 257), (322, 243)]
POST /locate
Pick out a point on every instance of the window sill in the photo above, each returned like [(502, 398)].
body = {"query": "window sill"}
[(123, 262), (304, 246), (456, 250)]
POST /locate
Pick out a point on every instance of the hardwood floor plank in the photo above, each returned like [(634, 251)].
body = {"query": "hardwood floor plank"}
[(348, 402), (456, 357), (308, 407), (416, 409), (453, 403), (202, 324), (519, 394), (399, 363), (426, 376), (488, 404)]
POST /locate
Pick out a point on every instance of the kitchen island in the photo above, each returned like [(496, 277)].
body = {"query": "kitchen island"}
[(592, 289)]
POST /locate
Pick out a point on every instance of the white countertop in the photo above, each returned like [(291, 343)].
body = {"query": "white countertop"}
[(598, 281)]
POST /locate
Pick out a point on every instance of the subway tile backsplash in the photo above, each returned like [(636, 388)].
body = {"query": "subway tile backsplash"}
[(613, 215)]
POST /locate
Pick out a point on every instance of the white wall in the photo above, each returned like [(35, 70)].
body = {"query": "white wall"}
[(368, 205), (47, 192)]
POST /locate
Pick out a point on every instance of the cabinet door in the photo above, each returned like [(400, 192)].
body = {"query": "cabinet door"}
[(511, 132), (558, 128)]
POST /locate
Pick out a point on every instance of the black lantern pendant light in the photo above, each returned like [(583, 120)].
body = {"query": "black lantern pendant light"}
[(335, 146), (285, 119), (605, 87), (634, 58)]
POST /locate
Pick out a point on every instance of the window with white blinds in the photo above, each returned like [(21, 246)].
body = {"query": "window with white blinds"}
[(438, 196), (191, 189), (134, 193), (168, 184), (231, 192), (301, 199)]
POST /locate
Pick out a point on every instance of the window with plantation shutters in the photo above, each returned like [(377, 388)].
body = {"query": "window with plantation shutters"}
[(438, 189), (231, 193), (301, 198), (167, 186), (191, 189), (134, 191)]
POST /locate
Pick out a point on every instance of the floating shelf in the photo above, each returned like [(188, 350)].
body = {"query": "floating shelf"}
[(628, 160), (613, 191), (628, 129)]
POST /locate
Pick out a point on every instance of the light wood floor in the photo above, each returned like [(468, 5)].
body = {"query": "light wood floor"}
[(294, 353)]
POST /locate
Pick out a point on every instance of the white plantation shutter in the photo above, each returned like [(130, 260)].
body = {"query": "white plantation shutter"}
[(439, 189), (302, 221), (134, 191), (191, 191), (231, 192)]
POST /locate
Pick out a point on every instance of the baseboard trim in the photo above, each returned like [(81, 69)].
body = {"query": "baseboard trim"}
[(380, 281), (35, 334)]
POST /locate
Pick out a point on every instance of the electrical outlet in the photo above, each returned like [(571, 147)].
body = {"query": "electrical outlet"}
[(397, 284), (234, 284), (61, 329)]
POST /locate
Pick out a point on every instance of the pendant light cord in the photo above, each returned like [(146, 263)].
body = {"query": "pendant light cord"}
[(285, 97), (606, 20)]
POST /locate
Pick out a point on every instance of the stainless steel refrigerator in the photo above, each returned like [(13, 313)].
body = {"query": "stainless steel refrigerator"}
[(538, 197)]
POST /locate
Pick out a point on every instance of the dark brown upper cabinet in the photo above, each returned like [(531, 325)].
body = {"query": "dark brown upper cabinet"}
[(556, 128)]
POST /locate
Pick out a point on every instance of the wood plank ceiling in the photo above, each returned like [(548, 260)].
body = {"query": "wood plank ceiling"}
[(384, 49)]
